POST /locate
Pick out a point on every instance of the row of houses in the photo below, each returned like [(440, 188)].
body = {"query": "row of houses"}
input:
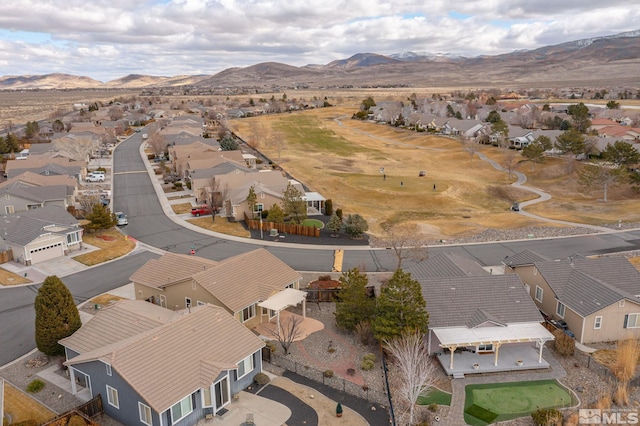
[(186, 306)]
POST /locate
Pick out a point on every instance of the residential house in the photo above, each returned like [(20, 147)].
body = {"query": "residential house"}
[(154, 366), (40, 234), (598, 299), (522, 140), (43, 165), (20, 196), (179, 155), (238, 284), (479, 322)]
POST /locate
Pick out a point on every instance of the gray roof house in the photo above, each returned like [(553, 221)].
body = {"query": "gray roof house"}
[(598, 299), (40, 234), (20, 196), (160, 367), (473, 314)]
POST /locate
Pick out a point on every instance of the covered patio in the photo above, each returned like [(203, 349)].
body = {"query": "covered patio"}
[(491, 348), (315, 203)]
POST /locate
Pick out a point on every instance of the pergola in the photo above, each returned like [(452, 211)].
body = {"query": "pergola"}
[(283, 299), (454, 338)]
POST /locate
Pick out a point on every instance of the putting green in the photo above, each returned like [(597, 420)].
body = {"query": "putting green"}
[(512, 400)]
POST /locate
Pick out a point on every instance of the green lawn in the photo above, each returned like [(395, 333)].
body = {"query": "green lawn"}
[(434, 396), (487, 403), (313, 222)]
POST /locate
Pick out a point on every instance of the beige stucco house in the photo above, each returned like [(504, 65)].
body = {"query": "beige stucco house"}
[(238, 284), (598, 299)]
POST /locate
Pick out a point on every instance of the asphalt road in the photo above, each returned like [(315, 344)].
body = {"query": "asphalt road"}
[(134, 194)]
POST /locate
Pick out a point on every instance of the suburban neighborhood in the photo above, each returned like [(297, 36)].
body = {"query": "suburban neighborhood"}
[(242, 337)]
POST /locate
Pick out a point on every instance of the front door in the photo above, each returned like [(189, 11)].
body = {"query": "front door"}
[(221, 389)]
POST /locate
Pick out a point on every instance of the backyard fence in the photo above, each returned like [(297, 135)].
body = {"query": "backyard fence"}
[(586, 360), (372, 395), (282, 228), (6, 256)]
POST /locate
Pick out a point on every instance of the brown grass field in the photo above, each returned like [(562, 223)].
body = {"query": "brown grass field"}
[(9, 278), (221, 225), (23, 407), (181, 208), (341, 158)]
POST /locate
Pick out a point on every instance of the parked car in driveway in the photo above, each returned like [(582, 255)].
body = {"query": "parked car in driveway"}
[(122, 219), (200, 210), (91, 177)]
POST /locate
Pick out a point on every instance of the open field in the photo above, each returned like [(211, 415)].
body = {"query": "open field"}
[(342, 159)]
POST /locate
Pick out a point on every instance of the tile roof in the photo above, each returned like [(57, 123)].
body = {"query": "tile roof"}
[(170, 269), (523, 258), (446, 264), (242, 280), (23, 227), (588, 285), (470, 301), (40, 180), (36, 193), (198, 345)]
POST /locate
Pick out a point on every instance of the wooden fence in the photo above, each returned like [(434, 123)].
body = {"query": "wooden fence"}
[(85, 411), (282, 228), (6, 256)]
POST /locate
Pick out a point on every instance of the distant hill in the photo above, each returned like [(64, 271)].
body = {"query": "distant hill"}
[(609, 60)]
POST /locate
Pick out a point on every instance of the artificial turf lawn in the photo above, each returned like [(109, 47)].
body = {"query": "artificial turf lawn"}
[(512, 400), (434, 396), (313, 222)]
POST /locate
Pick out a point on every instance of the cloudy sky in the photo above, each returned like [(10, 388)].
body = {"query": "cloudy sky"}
[(108, 39)]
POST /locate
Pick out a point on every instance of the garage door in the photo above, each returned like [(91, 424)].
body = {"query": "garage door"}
[(46, 253)]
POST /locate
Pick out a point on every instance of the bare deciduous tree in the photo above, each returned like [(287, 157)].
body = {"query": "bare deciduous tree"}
[(510, 162), (287, 332), (405, 239), (156, 142), (216, 195), (416, 370), (276, 141)]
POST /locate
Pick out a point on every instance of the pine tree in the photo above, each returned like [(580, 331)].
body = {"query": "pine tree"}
[(275, 214), (335, 223), (293, 205), (57, 316), (353, 306), (400, 308), (100, 218)]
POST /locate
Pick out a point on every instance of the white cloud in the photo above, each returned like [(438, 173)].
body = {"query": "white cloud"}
[(107, 39)]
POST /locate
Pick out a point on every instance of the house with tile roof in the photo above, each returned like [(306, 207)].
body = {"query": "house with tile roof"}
[(20, 196), (155, 366), (598, 299), (239, 284), (479, 322), (40, 234)]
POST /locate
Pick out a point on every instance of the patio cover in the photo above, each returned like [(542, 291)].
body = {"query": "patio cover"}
[(512, 333), (283, 299), (313, 196)]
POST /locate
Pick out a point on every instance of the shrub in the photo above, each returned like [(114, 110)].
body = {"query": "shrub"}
[(261, 379), (564, 344), (328, 207), (272, 346), (369, 356), (547, 417), (364, 333), (189, 184), (367, 364), (324, 278), (339, 213), (76, 420), (433, 407), (178, 185), (328, 373), (35, 386), (101, 169)]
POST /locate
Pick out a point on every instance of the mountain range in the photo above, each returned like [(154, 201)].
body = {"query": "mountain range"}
[(601, 61)]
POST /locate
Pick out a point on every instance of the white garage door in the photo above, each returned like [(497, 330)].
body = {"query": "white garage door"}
[(46, 253)]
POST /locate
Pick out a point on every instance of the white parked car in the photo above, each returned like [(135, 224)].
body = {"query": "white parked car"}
[(95, 177), (122, 219)]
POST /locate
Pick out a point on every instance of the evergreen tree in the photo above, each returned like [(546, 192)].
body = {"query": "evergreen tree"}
[(354, 306), (100, 218), (355, 225), (251, 201), (328, 207), (621, 153), (275, 214), (400, 308), (335, 223), (571, 141), (57, 316), (227, 143), (293, 206)]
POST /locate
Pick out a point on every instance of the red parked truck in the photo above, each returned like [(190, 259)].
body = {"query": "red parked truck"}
[(200, 210)]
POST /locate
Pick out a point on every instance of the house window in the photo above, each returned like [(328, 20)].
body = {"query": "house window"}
[(112, 397), (72, 238), (560, 309), (485, 348), (597, 324), (621, 304), (539, 294), (108, 369), (181, 409), (527, 288), (8, 209), (248, 313), (259, 208), (145, 414), (187, 302), (245, 366), (632, 321)]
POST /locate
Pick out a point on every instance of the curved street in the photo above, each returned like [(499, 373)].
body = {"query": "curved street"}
[(153, 224)]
